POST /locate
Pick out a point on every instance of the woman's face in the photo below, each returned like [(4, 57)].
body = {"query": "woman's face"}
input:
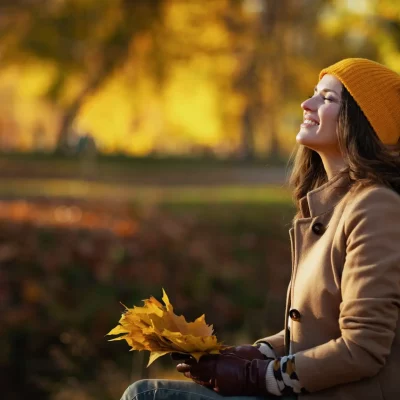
[(321, 111)]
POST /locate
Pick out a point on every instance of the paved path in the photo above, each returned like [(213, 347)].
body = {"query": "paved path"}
[(163, 175)]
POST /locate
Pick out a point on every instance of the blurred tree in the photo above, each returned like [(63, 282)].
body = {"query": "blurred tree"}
[(85, 40), (379, 23)]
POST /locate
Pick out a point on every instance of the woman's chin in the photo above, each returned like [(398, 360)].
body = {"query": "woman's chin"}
[(306, 141), (303, 138)]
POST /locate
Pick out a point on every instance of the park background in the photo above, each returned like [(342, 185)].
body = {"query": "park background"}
[(145, 144)]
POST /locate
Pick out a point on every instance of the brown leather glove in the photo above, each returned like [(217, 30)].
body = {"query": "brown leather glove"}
[(246, 351), (228, 374)]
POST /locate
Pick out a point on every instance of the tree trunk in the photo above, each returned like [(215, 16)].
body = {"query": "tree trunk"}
[(275, 21), (247, 143), (66, 124)]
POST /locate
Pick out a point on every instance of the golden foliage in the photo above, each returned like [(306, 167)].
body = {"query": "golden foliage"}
[(156, 328)]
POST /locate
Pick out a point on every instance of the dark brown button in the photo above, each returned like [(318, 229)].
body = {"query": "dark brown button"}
[(294, 314), (318, 228)]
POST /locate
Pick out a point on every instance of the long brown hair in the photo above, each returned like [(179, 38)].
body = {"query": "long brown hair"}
[(369, 160)]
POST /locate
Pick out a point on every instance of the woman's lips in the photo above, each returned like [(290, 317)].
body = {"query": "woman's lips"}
[(307, 123)]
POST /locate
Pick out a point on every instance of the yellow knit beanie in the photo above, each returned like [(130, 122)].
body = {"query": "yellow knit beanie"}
[(376, 89)]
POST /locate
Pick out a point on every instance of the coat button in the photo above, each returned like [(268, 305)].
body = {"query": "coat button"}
[(318, 228), (294, 314)]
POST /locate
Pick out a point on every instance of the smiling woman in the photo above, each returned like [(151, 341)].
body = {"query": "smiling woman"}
[(341, 337)]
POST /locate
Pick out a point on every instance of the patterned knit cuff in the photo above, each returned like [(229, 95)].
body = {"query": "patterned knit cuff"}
[(272, 384), (266, 349), (284, 370)]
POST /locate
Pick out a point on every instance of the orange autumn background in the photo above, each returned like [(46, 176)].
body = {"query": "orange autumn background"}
[(145, 144)]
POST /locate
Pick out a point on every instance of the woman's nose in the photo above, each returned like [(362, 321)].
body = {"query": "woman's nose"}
[(308, 104)]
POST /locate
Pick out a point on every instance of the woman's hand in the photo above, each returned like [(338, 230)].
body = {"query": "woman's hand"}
[(228, 374)]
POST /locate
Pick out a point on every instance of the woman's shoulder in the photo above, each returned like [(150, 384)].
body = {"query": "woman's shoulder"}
[(367, 199), (373, 194)]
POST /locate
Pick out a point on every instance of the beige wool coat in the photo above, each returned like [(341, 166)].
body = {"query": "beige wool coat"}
[(343, 300)]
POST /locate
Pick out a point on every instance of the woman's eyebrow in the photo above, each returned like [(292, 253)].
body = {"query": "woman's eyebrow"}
[(325, 90)]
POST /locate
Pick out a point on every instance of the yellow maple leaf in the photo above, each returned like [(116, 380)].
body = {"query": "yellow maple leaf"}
[(156, 328)]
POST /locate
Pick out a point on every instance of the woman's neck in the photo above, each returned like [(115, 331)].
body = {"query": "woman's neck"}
[(333, 164)]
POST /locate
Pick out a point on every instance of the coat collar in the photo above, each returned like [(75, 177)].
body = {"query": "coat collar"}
[(325, 197)]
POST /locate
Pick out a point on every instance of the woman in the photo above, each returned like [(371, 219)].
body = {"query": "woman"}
[(342, 336)]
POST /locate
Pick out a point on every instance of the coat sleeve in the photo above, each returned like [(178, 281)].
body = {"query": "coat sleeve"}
[(277, 342), (370, 288)]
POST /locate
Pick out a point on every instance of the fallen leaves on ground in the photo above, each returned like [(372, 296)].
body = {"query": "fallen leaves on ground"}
[(64, 266)]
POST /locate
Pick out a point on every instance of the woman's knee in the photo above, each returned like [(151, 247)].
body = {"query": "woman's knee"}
[(138, 387)]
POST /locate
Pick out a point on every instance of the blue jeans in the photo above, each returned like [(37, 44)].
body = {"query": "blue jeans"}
[(158, 389)]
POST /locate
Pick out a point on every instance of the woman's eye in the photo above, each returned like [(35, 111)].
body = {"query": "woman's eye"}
[(327, 98)]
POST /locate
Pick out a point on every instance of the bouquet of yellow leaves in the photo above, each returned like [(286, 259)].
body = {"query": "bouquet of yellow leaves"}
[(156, 328)]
